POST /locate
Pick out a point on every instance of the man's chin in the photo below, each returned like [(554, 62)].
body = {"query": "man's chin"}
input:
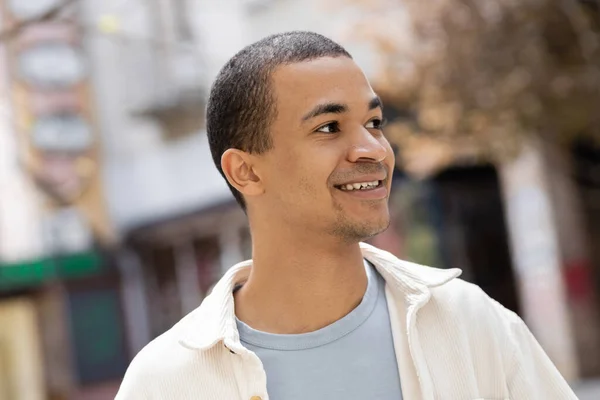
[(361, 230), (379, 229)]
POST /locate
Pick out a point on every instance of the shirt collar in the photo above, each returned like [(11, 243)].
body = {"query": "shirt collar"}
[(214, 321)]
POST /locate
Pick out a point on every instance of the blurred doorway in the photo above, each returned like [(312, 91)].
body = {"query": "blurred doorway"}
[(473, 231), (586, 161), (454, 220)]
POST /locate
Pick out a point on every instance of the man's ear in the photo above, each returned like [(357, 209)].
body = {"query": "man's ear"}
[(238, 167)]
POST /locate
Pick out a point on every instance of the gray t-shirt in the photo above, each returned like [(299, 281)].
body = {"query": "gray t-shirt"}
[(353, 358)]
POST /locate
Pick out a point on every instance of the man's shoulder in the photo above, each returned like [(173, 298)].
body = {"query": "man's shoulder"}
[(160, 353), (468, 297), (468, 305), (460, 292), (450, 295)]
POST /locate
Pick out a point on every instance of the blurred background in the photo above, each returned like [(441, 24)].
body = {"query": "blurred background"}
[(114, 222)]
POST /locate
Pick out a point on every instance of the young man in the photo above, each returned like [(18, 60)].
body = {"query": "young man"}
[(296, 130)]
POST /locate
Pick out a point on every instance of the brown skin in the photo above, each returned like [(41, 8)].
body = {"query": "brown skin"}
[(308, 269)]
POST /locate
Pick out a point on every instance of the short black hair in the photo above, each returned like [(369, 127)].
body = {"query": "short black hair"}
[(241, 105)]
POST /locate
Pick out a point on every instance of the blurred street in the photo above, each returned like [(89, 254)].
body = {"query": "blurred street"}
[(115, 223)]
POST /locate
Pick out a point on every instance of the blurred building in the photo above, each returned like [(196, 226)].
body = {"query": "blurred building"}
[(56, 283), (114, 222)]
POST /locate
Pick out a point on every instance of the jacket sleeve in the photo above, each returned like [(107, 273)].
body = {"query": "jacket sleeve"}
[(531, 375)]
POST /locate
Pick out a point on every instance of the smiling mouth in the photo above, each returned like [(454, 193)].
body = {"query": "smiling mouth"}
[(363, 186)]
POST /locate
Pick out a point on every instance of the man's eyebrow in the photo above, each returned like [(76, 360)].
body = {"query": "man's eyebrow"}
[(325, 108), (375, 102), (337, 108)]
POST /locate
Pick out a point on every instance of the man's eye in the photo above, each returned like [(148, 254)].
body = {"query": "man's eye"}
[(375, 123), (331, 127)]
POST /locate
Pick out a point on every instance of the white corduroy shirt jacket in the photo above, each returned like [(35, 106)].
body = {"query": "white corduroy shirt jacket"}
[(452, 342)]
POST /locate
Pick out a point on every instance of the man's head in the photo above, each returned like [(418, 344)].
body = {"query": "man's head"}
[(293, 125)]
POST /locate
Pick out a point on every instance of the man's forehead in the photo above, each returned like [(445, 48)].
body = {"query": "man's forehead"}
[(323, 68), (324, 79)]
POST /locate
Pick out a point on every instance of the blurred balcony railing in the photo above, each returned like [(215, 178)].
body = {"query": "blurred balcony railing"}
[(163, 81)]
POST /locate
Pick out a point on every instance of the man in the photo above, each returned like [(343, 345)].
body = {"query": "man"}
[(296, 130)]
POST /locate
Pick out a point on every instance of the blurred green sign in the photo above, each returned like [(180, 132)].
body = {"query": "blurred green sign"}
[(33, 273)]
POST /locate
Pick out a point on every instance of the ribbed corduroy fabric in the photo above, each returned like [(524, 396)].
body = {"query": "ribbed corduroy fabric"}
[(452, 343)]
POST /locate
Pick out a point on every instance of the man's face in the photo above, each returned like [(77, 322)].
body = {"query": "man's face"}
[(330, 167)]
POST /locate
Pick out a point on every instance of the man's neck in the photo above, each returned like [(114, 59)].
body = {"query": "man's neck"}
[(298, 286)]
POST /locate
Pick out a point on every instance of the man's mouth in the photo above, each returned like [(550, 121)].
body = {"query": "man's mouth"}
[(348, 187)]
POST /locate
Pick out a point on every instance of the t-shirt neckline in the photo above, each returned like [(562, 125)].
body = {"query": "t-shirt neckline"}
[(323, 336)]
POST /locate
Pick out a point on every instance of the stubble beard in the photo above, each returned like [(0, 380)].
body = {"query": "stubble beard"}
[(351, 231)]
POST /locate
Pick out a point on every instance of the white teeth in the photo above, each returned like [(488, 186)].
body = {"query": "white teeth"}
[(360, 186)]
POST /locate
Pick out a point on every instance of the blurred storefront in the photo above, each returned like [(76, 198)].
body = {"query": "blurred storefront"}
[(59, 289), (74, 324)]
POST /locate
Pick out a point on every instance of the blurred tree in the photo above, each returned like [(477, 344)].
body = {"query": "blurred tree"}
[(481, 75)]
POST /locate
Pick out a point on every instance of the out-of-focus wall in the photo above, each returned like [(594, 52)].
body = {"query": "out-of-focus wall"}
[(20, 230), (141, 68), (227, 26)]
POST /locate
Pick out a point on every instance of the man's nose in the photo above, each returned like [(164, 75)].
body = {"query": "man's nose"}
[(367, 147)]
